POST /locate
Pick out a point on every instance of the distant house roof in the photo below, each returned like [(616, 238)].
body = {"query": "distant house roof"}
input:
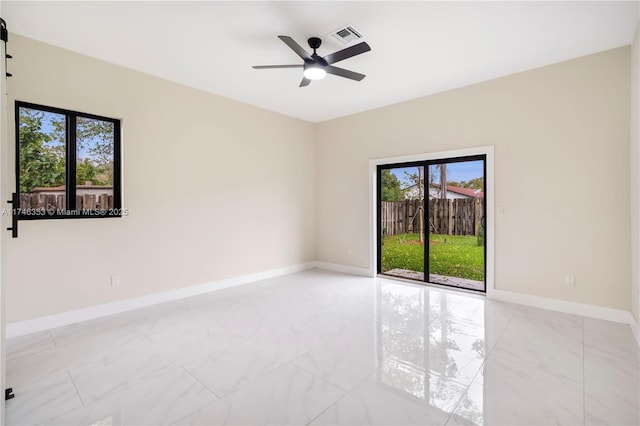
[(467, 192)]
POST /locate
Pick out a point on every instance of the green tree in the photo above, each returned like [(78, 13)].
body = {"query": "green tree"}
[(475, 183), (95, 142), (42, 152), (86, 171), (96, 136), (390, 187)]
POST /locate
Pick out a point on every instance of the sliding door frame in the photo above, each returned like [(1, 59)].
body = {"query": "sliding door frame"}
[(427, 225), (483, 152), (379, 170)]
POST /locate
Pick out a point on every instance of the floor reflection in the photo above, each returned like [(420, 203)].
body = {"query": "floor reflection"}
[(112, 420), (446, 350)]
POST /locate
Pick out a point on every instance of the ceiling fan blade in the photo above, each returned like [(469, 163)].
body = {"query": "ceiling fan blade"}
[(343, 54), (305, 82), (296, 47), (264, 67), (344, 73)]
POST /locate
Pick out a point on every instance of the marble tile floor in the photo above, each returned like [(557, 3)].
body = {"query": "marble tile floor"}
[(324, 348)]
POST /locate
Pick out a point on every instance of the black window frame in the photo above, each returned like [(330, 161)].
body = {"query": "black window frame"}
[(71, 211)]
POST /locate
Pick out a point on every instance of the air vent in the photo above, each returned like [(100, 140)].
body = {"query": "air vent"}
[(346, 35)]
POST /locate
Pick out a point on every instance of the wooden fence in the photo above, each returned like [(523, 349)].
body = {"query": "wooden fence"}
[(446, 217), (57, 202)]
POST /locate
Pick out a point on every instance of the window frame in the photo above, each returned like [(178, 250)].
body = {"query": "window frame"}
[(71, 165)]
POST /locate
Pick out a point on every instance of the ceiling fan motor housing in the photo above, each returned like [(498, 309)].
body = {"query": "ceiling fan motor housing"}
[(314, 43), (316, 60)]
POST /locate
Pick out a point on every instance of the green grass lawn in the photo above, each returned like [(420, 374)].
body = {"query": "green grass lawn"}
[(459, 256)]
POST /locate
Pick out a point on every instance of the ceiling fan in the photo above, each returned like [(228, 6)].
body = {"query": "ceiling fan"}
[(316, 67)]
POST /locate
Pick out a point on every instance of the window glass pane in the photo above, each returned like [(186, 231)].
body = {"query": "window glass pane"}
[(94, 167), (42, 141), (402, 221), (456, 224)]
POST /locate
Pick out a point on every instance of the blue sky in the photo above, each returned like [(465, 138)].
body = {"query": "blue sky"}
[(47, 127), (458, 172)]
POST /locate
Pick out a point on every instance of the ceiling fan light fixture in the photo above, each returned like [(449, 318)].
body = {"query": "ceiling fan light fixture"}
[(316, 67), (314, 72)]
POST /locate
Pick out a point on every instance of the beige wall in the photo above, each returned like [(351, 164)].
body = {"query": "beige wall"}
[(561, 137), (635, 176), (215, 189)]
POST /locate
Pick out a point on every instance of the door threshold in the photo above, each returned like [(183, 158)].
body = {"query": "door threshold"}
[(430, 284)]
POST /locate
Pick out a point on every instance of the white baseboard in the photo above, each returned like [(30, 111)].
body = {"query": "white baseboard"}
[(353, 270), (583, 309), (65, 318), (635, 328)]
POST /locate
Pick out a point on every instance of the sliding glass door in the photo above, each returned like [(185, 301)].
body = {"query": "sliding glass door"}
[(401, 221), (431, 221)]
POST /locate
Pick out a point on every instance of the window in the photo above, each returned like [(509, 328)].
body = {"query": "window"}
[(67, 164)]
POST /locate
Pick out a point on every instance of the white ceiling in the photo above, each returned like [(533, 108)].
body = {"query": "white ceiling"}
[(418, 48)]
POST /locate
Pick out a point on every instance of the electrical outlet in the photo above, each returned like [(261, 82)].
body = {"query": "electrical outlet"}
[(570, 280), (349, 251), (500, 211), (115, 280)]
